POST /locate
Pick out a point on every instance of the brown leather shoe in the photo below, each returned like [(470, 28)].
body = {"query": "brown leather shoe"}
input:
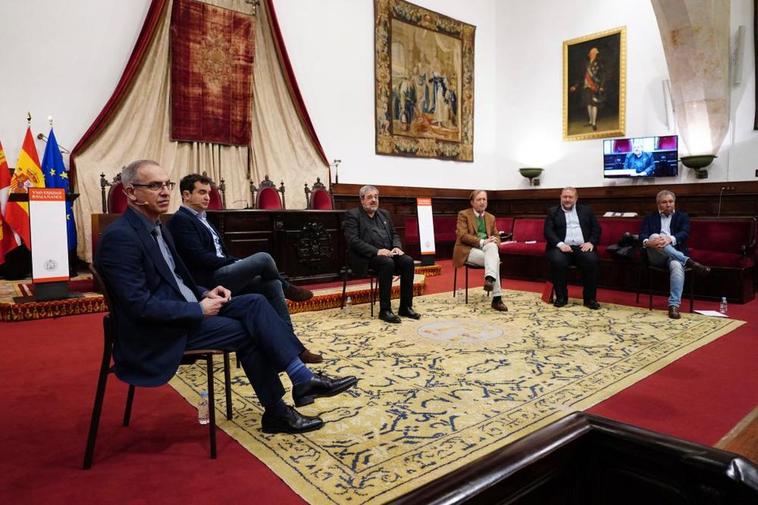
[(699, 268), (310, 357), (674, 312), (499, 306), (297, 294), (489, 284)]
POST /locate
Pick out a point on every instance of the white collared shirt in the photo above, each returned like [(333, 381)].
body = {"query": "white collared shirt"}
[(216, 239), (574, 234), (666, 226)]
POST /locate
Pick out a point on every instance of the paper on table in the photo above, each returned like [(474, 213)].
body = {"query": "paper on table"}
[(711, 313)]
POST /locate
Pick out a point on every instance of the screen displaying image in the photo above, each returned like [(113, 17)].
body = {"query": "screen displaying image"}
[(641, 157)]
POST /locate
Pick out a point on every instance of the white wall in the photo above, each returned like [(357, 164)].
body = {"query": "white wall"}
[(65, 58), (61, 59), (331, 45), (530, 78)]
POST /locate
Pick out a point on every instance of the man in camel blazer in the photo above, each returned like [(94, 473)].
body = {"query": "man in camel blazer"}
[(478, 242)]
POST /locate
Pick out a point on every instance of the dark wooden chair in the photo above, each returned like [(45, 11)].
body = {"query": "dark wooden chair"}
[(267, 196), (346, 273), (652, 270), (110, 334), (318, 198), (466, 267)]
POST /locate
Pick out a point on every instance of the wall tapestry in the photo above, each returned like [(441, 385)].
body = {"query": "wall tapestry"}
[(211, 74), (424, 79), (594, 85)]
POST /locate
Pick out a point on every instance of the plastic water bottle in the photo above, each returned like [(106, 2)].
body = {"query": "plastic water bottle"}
[(459, 295), (348, 304), (202, 409), (723, 307)]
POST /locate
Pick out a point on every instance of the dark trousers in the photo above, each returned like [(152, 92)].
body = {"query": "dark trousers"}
[(386, 267), (264, 343), (559, 265)]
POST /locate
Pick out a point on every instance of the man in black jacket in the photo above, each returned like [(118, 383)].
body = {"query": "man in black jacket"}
[(373, 242), (201, 247), (572, 234)]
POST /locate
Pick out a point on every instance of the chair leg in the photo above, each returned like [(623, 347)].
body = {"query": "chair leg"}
[(211, 407), (344, 287), (97, 409), (639, 284), (455, 281), (228, 385), (466, 267), (692, 291), (371, 293), (649, 289), (128, 408)]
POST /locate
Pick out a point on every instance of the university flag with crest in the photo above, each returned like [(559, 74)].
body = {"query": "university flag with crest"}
[(26, 175), (56, 176), (8, 239)]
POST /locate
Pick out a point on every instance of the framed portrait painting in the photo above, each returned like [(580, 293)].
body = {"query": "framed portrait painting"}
[(594, 85), (424, 83)]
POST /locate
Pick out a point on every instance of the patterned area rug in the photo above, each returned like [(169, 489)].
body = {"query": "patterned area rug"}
[(438, 393)]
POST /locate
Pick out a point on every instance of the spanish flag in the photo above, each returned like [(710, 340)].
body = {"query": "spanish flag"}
[(27, 175), (8, 239)]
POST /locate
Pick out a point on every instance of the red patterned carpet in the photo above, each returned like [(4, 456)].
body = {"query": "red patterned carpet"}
[(47, 376)]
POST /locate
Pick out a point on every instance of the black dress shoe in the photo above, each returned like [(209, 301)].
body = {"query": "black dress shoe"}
[(699, 268), (674, 312), (592, 304), (409, 312), (291, 421), (297, 294), (560, 302), (320, 385), (388, 316), (498, 305), (310, 357)]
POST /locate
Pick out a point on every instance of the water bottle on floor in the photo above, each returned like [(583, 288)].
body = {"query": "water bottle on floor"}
[(459, 296), (348, 304), (202, 409), (723, 307)]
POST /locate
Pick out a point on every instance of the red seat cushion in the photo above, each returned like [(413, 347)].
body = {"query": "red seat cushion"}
[(268, 198), (613, 228), (521, 248), (529, 228), (320, 200), (216, 203), (116, 199)]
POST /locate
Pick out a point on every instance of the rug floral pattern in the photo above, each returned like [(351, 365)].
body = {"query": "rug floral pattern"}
[(438, 393)]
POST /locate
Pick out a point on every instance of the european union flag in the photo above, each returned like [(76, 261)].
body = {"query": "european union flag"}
[(56, 176)]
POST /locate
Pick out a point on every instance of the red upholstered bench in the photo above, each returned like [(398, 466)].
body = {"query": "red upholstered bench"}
[(528, 238), (444, 235), (613, 229)]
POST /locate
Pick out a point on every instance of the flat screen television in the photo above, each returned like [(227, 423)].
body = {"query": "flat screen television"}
[(641, 157)]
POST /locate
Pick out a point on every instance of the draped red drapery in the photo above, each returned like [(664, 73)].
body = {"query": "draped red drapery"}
[(152, 22)]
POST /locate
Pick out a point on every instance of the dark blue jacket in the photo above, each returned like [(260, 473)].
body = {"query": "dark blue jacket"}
[(680, 228), (195, 245), (151, 315)]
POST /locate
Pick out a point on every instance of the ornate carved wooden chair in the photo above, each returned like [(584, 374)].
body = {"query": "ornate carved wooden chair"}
[(267, 196), (318, 198), (106, 367), (115, 201)]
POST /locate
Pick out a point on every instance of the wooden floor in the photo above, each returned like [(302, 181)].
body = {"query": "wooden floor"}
[(743, 438)]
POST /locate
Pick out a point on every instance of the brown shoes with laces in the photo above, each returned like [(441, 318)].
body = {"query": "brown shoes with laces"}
[(674, 312)]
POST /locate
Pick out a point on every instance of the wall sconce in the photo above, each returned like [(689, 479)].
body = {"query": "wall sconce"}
[(698, 163), (531, 173)]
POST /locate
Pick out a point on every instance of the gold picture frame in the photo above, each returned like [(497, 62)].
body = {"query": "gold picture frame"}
[(424, 83), (594, 85)]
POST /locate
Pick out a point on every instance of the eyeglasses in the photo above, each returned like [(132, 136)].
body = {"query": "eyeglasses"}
[(156, 185)]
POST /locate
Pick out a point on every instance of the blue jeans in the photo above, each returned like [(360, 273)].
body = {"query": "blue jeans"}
[(256, 274), (675, 260), (264, 344)]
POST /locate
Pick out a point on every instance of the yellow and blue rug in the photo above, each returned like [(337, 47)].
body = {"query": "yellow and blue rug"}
[(437, 393)]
